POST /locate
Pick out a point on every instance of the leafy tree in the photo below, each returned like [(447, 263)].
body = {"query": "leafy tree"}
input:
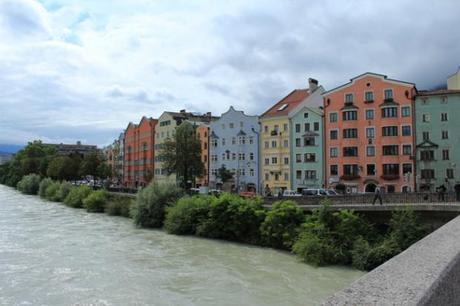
[(224, 174), (103, 171), (182, 154), (89, 165)]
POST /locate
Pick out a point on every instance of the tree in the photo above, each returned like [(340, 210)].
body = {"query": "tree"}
[(182, 154), (224, 174), (89, 165), (103, 171)]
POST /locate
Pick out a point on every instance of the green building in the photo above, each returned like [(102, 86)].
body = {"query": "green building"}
[(306, 141), (437, 139)]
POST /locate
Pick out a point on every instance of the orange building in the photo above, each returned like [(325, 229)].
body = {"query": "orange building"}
[(202, 132), (139, 153), (369, 134)]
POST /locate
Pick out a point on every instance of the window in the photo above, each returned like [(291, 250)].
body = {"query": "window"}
[(266, 129), (445, 154), (214, 158), (307, 127), (309, 157), (349, 98), (391, 169), (277, 177), (223, 156), (370, 169), (266, 144), (267, 161), (407, 168), (350, 151), (274, 160), (251, 156), (334, 169), (214, 143), (443, 116), (333, 117), (427, 155), (369, 114), (370, 132), (389, 112), (405, 111), (445, 134), (309, 141), (241, 124), (388, 93), (305, 115), (297, 128), (276, 128), (251, 172), (297, 142), (333, 134), (390, 188), (285, 127), (298, 174), (390, 150), (285, 143), (274, 144), (267, 176), (368, 96), (350, 115), (298, 158), (406, 130), (241, 156), (231, 125), (233, 156), (350, 133), (427, 174), (370, 151), (407, 149), (426, 135), (286, 160), (241, 140), (390, 131), (333, 152), (223, 141), (450, 173), (425, 117), (316, 126), (350, 170), (310, 174), (286, 176), (233, 140)]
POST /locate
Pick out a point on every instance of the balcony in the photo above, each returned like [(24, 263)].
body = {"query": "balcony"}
[(274, 133), (388, 100), (390, 177), (350, 177), (368, 101)]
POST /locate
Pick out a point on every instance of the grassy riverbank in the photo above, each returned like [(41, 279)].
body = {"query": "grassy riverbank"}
[(324, 237)]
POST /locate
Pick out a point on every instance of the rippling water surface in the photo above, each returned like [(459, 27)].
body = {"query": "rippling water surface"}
[(54, 255)]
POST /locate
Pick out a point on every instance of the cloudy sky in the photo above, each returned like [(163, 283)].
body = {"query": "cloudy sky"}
[(82, 69)]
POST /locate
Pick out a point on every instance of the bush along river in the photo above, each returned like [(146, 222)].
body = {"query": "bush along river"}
[(51, 254)]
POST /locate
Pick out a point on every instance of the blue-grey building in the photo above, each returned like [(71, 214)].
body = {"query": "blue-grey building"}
[(234, 140)]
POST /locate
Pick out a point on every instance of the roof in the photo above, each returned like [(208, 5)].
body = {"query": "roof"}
[(438, 92), (288, 103), (180, 116)]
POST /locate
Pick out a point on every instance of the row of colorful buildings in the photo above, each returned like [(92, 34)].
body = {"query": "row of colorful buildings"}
[(371, 131)]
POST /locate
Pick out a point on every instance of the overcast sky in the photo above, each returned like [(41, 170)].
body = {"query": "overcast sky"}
[(81, 70)]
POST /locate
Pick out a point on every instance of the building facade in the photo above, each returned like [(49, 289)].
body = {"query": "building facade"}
[(139, 153), (306, 142), (369, 134), (234, 144), (167, 124), (275, 169), (78, 148), (202, 132), (437, 139)]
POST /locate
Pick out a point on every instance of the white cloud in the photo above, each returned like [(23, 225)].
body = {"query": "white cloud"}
[(81, 70)]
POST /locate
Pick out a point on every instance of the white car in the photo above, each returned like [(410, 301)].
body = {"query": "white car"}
[(291, 193), (321, 192)]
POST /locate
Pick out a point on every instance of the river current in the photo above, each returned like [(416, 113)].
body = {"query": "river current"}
[(54, 255)]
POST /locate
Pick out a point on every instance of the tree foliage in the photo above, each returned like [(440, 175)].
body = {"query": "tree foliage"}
[(224, 174), (182, 154)]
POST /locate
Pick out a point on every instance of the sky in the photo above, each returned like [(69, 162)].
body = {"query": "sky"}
[(83, 69)]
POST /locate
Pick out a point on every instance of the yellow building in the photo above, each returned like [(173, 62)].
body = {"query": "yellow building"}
[(453, 82), (274, 143), (165, 129)]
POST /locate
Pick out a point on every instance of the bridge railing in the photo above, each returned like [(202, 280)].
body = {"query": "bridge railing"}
[(360, 199)]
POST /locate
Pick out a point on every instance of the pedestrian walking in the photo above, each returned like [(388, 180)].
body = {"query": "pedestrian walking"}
[(377, 195), (457, 191), (441, 193)]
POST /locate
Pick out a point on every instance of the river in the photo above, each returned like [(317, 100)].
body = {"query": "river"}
[(54, 255)]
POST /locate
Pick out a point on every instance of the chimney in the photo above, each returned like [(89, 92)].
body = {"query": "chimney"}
[(312, 85)]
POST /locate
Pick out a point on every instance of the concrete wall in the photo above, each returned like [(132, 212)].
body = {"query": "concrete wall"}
[(428, 273)]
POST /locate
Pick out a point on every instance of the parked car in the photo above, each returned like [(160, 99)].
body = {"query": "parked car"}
[(291, 194), (320, 192)]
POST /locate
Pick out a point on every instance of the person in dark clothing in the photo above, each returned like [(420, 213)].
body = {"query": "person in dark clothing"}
[(441, 192), (457, 191), (377, 195)]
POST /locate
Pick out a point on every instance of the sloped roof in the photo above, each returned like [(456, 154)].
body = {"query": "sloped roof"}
[(438, 92), (288, 103)]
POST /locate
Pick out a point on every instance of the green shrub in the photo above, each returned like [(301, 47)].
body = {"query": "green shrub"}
[(183, 217), (52, 190), (313, 250), (43, 185), (95, 202), (231, 217), (281, 225), (76, 196), (29, 184), (64, 190), (119, 206), (149, 208), (405, 228)]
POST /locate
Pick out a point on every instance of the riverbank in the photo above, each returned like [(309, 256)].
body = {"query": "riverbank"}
[(53, 255)]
